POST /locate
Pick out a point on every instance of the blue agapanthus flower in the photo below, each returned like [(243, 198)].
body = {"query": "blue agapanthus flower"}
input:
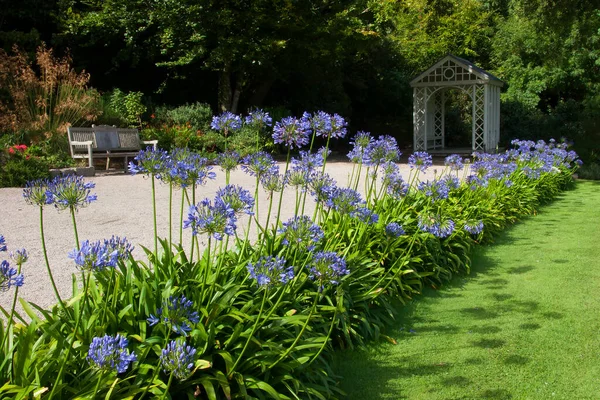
[(436, 225), (259, 164), (474, 227), (381, 151), (270, 271), (344, 200), (110, 353), (259, 118), (177, 313), (178, 359), (365, 215), (239, 199), (228, 161), (292, 132), (436, 189), (394, 229), (273, 182), (301, 232), (454, 161), (71, 192), (19, 256), (9, 277), (2, 243), (321, 185), (392, 179), (216, 219), (36, 193), (361, 142), (327, 268), (451, 181), (227, 122), (420, 160), (96, 256), (187, 169), (150, 162)]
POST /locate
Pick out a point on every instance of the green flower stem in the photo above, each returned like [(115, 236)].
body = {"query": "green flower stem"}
[(219, 265), (108, 290), (193, 202), (287, 165), (154, 216), (157, 369), (237, 361), (70, 347), (242, 252), (170, 214), (183, 196), (207, 266), (325, 153), (398, 260), (166, 392), (12, 312), (290, 348), (72, 211), (326, 338), (96, 389), (44, 250)]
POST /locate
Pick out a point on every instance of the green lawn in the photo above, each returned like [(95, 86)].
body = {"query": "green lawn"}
[(524, 325)]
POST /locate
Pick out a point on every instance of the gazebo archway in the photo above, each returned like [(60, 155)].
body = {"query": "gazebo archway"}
[(429, 102)]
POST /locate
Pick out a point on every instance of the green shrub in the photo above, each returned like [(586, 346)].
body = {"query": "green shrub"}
[(589, 171), (18, 167), (198, 115)]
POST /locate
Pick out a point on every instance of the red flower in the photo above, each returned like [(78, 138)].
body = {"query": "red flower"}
[(11, 150)]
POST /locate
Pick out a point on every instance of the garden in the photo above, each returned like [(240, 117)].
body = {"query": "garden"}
[(282, 225), (237, 318)]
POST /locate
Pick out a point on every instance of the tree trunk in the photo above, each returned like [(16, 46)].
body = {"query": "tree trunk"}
[(260, 94), (225, 88), (236, 97)]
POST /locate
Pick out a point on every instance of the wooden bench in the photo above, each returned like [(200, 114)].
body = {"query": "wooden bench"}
[(105, 142)]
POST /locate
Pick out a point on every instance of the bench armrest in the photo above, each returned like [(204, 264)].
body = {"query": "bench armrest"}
[(87, 143), (154, 143)]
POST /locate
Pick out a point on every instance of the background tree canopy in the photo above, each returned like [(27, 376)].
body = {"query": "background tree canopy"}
[(354, 57)]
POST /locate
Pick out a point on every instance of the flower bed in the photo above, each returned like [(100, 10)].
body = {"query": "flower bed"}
[(260, 320)]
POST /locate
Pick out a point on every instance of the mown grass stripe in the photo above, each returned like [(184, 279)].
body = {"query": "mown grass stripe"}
[(523, 325)]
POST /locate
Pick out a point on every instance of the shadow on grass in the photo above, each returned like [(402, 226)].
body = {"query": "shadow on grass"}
[(379, 376)]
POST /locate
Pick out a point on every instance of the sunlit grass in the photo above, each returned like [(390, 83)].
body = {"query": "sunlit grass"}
[(524, 325)]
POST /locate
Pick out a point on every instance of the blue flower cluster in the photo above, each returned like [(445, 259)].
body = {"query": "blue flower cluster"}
[(474, 227), (110, 353), (435, 225), (239, 199), (9, 276), (149, 161), (360, 142), (178, 359), (292, 132), (96, 256), (176, 313), (420, 160), (185, 168), (36, 192), (226, 122), (321, 186), (270, 271), (436, 189), (326, 125), (381, 151), (392, 179), (394, 229), (454, 161), (273, 182), (65, 192), (259, 164), (327, 268), (259, 118), (228, 161), (19, 256), (301, 232), (216, 219)]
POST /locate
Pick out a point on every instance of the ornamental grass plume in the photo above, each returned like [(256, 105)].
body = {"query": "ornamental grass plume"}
[(270, 271), (177, 314), (177, 360), (110, 354)]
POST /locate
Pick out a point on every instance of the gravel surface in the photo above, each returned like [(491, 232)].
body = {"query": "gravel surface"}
[(123, 208)]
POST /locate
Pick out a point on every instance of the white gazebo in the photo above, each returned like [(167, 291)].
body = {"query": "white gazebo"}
[(429, 103)]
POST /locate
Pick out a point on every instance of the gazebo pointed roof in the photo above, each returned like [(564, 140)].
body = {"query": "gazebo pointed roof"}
[(451, 70)]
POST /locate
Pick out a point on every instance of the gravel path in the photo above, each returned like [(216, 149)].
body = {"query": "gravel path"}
[(124, 208)]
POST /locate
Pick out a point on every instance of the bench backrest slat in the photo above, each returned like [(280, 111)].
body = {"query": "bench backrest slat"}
[(104, 138)]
